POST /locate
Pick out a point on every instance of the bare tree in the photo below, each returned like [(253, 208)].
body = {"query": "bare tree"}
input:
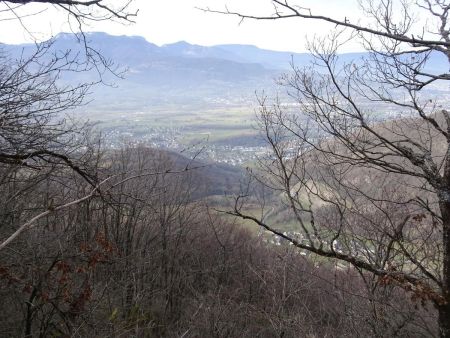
[(362, 163), (80, 10), (37, 136)]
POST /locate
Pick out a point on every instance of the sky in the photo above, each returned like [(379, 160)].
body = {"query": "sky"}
[(168, 21)]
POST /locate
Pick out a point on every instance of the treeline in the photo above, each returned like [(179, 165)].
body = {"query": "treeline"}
[(143, 256), (126, 243)]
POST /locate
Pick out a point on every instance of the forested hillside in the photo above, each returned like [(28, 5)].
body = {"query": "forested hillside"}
[(329, 218)]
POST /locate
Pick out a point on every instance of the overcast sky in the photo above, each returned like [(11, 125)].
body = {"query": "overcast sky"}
[(168, 21)]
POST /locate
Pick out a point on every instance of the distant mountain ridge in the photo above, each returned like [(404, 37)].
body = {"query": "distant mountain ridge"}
[(138, 49), (185, 73)]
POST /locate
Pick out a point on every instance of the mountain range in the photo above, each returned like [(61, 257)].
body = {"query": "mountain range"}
[(183, 73)]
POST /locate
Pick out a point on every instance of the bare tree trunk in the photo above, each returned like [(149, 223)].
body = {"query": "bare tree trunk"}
[(444, 320), (30, 311), (444, 308)]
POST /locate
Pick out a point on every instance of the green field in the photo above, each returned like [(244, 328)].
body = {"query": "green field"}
[(193, 123)]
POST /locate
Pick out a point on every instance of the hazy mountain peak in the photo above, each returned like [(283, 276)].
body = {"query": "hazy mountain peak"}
[(184, 64), (181, 43)]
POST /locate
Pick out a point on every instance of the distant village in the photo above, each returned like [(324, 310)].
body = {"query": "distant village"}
[(169, 138)]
